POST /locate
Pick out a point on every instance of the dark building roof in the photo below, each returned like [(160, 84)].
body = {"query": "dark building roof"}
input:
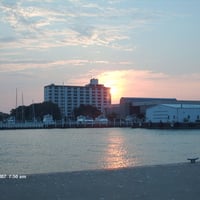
[(143, 100)]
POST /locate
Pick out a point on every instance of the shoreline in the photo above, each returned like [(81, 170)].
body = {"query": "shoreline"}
[(167, 126), (143, 125), (179, 181)]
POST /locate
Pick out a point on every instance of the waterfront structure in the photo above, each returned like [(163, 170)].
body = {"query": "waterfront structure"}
[(70, 97), (173, 113), (48, 120), (137, 105), (84, 120)]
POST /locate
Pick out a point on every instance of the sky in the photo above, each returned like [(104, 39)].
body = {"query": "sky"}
[(139, 48)]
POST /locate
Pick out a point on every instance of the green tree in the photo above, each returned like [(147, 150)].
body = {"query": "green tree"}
[(112, 116), (87, 110), (3, 116), (36, 111)]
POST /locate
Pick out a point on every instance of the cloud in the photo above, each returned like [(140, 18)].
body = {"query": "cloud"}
[(9, 2), (7, 39), (75, 23), (13, 65), (144, 83)]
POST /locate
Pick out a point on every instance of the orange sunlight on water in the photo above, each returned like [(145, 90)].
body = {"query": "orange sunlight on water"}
[(116, 154)]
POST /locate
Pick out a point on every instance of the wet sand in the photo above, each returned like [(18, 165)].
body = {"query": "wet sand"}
[(161, 182)]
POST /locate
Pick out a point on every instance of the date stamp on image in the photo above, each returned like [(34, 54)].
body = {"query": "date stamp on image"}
[(12, 176)]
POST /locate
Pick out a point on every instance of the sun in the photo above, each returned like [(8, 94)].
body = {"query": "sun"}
[(113, 90), (115, 93), (114, 82)]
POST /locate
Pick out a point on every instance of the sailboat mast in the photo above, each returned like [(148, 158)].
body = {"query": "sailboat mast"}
[(16, 106), (33, 109), (22, 107)]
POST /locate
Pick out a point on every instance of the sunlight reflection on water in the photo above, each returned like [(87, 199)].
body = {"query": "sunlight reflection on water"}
[(56, 150), (116, 155)]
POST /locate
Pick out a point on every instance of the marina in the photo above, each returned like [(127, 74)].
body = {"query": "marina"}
[(60, 124)]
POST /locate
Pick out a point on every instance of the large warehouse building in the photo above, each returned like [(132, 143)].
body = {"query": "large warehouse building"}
[(137, 106), (172, 113)]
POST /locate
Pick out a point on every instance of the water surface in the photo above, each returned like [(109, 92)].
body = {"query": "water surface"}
[(57, 150)]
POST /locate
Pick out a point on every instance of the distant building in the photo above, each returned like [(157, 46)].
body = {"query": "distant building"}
[(70, 97), (138, 105), (113, 109), (48, 120), (101, 120), (172, 113), (84, 120)]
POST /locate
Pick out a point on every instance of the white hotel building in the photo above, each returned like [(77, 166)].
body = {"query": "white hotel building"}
[(70, 97)]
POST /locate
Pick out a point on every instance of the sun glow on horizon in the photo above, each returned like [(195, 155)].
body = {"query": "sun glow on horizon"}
[(113, 90), (144, 83), (115, 82)]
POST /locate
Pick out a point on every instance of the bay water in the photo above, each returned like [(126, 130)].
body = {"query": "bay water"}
[(59, 150)]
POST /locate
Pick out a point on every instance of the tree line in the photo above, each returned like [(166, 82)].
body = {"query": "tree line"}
[(36, 111)]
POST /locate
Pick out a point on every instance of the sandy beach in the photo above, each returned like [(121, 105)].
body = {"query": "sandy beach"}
[(162, 182)]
